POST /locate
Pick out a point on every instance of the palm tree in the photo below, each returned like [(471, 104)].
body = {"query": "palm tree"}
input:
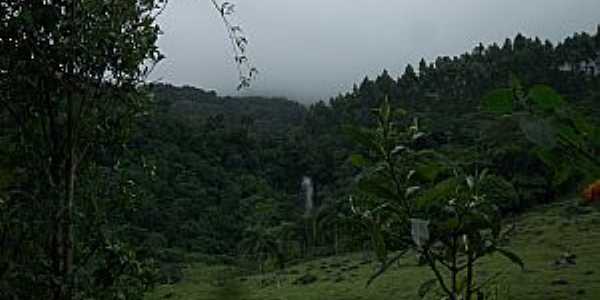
[(263, 243)]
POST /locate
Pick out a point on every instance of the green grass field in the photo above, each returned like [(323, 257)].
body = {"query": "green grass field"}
[(543, 235)]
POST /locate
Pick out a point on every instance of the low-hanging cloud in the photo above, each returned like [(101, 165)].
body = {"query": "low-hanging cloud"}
[(314, 49)]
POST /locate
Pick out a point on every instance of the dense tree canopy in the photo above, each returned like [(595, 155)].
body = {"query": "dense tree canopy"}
[(69, 83)]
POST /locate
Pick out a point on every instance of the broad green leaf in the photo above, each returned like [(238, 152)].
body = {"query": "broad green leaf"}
[(470, 181), (418, 135), (426, 287), (452, 224), (358, 160), (548, 157), (562, 169), (563, 173), (499, 101), (26, 17), (461, 284), (376, 189), (360, 135), (569, 134), (398, 149), (430, 171), (539, 132), (419, 231), (545, 97), (399, 112), (594, 137), (411, 190), (512, 257), (437, 195), (580, 123)]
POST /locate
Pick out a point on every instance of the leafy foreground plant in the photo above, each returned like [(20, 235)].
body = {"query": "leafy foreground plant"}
[(450, 226), (70, 89), (565, 141)]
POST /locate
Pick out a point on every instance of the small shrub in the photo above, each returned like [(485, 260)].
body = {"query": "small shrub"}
[(501, 193), (591, 194), (171, 255), (532, 189), (306, 279), (170, 273)]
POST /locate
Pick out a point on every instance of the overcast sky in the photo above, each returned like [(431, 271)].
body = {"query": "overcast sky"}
[(308, 50)]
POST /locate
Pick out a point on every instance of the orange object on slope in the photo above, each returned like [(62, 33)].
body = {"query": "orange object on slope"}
[(591, 193)]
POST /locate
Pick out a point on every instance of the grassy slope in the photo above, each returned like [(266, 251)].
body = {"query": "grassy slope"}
[(542, 236)]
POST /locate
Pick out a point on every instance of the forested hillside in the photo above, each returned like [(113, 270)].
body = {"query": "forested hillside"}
[(210, 163), (226, 169)]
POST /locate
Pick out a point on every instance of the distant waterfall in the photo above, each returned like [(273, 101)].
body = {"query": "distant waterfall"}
[(308, 189)]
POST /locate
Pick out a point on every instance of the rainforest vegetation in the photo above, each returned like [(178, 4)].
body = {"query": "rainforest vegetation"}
[(111, 186)]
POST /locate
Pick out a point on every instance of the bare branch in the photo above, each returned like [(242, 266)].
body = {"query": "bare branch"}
[(239, 42)]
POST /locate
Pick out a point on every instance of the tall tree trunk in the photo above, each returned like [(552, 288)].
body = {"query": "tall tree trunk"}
[(64, 234), (469, 293), (335, 239), (314, 232), (68, 241), (66, 203), (454, 271), (65, 230)]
